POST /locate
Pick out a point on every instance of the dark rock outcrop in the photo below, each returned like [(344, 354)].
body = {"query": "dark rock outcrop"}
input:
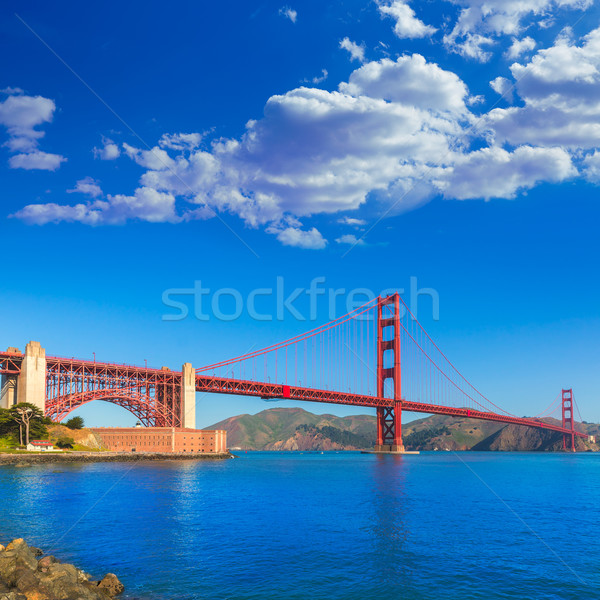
[(24, 577)]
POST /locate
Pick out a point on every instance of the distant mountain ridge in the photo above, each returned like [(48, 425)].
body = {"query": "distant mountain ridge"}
[(298, 429)]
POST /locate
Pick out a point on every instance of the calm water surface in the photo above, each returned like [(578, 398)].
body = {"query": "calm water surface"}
[(323, 526)]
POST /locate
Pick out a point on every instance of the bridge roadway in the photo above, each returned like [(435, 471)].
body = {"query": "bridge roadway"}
[(222, 385), (10, 363)]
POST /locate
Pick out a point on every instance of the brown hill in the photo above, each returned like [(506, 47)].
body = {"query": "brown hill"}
[(298, 429), (83, 438)]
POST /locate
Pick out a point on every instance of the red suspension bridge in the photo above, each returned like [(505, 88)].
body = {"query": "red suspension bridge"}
[(378, 356)]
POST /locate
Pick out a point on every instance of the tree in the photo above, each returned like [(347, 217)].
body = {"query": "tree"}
[(75, 423), (29, 418), (6, 421), (65, 442)]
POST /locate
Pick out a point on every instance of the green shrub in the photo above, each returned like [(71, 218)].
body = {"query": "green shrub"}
[(75, 423), (65, 442)]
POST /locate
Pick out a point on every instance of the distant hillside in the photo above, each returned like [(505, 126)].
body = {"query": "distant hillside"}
[(298, 429)]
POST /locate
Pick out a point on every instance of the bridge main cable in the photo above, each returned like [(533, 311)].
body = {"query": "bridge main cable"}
[(370, 305)]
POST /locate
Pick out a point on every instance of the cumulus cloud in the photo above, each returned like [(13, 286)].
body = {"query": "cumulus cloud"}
[(145, 204), (155, 159), (318, 78), (42, 161), (354, 222), (503, 86), (407, 24), (288, 13), (21, 115), (592, 167), (394, 135), (309, 240), (108, 151), (481, 22), (519, 47), (560, 87), (356, 52), (181, 141), (410, 80), (496, 173), (350, 239), (87, 186)]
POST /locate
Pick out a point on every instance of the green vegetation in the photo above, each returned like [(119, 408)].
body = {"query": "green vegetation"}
[(65, 442), (21, 423), (75, 423), (338, 436), (270, 426), (424, 436)]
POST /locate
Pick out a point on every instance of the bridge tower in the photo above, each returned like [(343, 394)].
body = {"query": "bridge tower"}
[(568, 421), (31, 383), (389, 419)]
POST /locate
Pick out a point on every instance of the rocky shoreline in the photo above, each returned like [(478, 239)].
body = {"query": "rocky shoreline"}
[(26, 574), (49, 457)]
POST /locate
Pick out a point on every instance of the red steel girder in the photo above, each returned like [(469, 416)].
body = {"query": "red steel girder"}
[(224, 385)]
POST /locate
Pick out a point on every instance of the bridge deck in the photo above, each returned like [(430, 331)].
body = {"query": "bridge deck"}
[(223, 385)]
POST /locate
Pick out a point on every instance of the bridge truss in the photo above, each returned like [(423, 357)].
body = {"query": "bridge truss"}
[(378, 356)]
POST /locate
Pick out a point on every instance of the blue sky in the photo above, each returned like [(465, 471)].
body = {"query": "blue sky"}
[(145, 148)]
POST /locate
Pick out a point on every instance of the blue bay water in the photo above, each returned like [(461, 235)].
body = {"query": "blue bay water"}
[(321, 526)]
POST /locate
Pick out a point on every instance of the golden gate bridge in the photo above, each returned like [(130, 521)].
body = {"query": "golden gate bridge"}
[(377, 355)]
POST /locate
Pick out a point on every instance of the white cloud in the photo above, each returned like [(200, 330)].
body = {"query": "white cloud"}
[(309, 240), (145, 205), (410, 80), (109, 150), (396, 134), (592, 167), (318, 78), (481, 22), (407, 25), (356, 52), (181, 141), (352, 221), (496, 173), (288, 13), (503, 86), (36, 160), (12, 90), (350, 239), (155, 159), (560, 87), (471, 45), (519, 47), (87, 186), (21, 115)]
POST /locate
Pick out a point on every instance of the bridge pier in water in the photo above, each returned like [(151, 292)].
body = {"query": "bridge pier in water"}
[(568, 421), (389, 418)]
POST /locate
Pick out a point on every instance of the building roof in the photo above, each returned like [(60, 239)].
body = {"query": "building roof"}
[(40, 442)]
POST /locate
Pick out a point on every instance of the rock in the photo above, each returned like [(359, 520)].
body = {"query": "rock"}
[(44, 563), (16, 554), (28, 584), (36, 551), (22, 577), (22, 553), (111, 584)]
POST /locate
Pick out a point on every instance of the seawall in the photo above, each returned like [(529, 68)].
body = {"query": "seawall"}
[(50, 457)]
